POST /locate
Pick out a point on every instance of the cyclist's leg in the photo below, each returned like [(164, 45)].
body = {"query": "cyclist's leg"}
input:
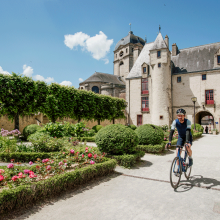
[(180, 142)]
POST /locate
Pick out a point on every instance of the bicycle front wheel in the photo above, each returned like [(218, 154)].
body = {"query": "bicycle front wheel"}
[(175, 172), (188, 168)]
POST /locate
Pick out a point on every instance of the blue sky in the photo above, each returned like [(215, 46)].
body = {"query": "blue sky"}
[(66, 41)]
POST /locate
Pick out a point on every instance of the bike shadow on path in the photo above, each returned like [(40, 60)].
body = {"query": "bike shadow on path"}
[(198, 181)]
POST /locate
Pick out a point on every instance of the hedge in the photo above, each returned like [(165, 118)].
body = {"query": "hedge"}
[(128, 160), (20, 196), (83, 139), (25, 156), (151, 148)]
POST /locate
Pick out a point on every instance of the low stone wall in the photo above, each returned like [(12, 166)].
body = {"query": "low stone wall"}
[(31, 119)]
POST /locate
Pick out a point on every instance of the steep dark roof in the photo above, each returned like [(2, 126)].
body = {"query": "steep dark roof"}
[(105, 78), (130, 38), (193, 59)]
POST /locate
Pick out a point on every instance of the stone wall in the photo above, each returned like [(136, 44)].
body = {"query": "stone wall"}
[(30, 119)]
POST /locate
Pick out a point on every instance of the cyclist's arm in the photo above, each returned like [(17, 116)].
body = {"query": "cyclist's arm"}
[(173, 126), (188, 129)]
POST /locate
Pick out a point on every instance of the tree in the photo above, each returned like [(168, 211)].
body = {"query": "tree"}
[(18, 96)]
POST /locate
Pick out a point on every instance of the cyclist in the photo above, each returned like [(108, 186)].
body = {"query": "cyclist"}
[(183, 126)]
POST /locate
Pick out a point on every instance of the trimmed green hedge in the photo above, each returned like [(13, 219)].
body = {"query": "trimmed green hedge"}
[(96, 128), (197, 135), (24, 156), (128, 160), (84, 139), (151, 148), (20, 196)]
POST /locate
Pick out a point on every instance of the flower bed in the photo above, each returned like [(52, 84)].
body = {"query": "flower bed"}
[(22, 195)]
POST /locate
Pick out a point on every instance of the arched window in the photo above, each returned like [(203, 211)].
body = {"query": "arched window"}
[(121, 53), (121, 63), (95, 89)]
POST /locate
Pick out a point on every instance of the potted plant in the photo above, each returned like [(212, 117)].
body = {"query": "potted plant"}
[(214, 131)]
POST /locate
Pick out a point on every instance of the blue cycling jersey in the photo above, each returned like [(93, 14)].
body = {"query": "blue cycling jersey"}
[(181, 127)]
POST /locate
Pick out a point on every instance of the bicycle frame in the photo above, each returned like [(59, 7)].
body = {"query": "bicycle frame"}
[(182, 160)]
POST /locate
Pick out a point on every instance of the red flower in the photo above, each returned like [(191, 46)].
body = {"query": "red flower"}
[(32, 175), (14, 178), (1, 177), (48, 167), (89, 155), (82, 155)]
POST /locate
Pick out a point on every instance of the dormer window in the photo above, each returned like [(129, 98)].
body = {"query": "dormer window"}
[(126, 50), (144, 70), (158, 54), (121, 54), (218, 60)]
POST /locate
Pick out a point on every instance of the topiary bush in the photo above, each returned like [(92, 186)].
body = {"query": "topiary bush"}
[(149, 134), (30, 129), (96, 128), (132, 127), (198, 127), (116, 139)]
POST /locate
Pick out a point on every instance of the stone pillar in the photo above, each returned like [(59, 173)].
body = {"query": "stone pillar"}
[(136, 53), (167, 41)]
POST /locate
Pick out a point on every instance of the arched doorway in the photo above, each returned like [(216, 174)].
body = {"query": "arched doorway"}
[(205, 118), (95, 89)]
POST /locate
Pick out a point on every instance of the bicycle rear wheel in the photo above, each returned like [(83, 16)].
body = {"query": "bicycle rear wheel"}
[(175, 173), (188, 169)]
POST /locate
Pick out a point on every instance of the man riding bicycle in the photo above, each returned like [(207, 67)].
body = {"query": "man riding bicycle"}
[(183, 127)]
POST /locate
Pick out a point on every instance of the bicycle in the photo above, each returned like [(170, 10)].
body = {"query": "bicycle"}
[(176, 172)]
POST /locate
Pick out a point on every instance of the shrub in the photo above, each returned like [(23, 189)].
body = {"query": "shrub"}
[(43, 142), (149, 134), (96, 128), (151, 148), (30, 129), (128, 160), (116, 139), (198, 127), (132, 127)]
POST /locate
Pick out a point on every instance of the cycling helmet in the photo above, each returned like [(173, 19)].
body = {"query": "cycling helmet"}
[(180, 111)]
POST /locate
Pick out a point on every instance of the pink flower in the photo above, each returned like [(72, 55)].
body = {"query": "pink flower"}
[(30, 162), (95, 155), (89, 155), (1, 177), (92, 162), (48, 167), (82, 155), (21, 175), (11, 165), (60, 163), (72, 151), (64, 161), (14, 178), (45, 160), (26, 171), (65, 164), (32, 175), (164, 138), (31, 172), (86, 148), (86, 151), (1, 171), (63, 152)]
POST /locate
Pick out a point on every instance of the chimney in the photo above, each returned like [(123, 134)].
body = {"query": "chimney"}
[(136, 53), (167, 41), (174, 50)]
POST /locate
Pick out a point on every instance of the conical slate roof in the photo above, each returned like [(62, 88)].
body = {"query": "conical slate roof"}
[(159, 43), (130, 38), (142, 58)]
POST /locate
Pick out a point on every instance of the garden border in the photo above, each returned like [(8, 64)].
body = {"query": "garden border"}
[(28, 194)]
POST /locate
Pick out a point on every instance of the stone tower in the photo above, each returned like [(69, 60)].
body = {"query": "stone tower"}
[(126, 53), (160, 63)]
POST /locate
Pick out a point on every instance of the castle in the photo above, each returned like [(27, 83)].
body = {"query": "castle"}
[(159, 81)]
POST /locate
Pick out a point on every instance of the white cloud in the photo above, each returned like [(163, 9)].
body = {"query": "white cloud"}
[(80, 79), (66, 83), (78, 38), (41, 78), (98, 45), (4, 72), (106, 61), (27, 70)]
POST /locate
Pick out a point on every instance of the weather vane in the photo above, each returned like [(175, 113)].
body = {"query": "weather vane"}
[(159, 28), (130, 26)]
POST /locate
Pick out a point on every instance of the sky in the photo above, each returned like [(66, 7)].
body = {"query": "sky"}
[(66, 41)]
